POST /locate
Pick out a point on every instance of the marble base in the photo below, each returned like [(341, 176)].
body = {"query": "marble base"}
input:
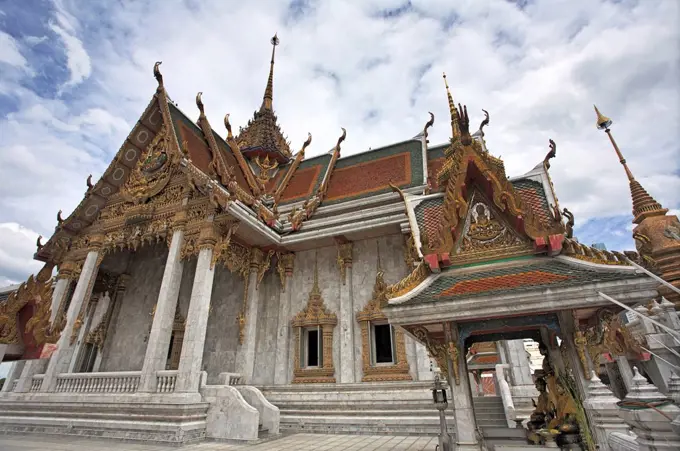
[(168, 423)]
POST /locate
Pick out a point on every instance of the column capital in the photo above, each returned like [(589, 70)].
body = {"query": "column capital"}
[(96, 242), (207, 237), (69, 270), (344, 259), (256, 258), (287, 262), (179, 221)]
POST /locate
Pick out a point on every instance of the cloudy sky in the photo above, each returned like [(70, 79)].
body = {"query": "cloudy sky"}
[(76, 75)]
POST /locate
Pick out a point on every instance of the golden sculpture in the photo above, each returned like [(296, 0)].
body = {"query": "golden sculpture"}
[(454, 355), (265, 169), (580, 342), (36, 290), (610, 335)]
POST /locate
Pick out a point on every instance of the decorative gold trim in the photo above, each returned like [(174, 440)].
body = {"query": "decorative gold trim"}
[(408, 283), (315, 314), (372, 312), (437, 350), (284, 266), (344, 259), (310, 205), (454, 353), (37, 290)]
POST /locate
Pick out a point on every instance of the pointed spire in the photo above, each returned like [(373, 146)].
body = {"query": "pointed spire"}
[(455, 131), (267, 101), (644, 205)]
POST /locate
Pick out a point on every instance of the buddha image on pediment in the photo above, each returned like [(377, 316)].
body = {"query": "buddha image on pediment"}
[(483, 227)]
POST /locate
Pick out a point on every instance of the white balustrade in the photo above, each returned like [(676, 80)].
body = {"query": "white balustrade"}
[(37, 381), (114, 382), (165, 381), (506, 394), (229, 379)]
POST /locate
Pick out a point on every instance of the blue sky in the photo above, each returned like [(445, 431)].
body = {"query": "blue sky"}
[(76, 75)]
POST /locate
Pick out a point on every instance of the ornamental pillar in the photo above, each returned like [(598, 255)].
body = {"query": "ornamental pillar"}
[(347, 369), (245, 359), (283, 340), (63, 354), (161, 328), (461, 396), (191, 358), (110, 318)]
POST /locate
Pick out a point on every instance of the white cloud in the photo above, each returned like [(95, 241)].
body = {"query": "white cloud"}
[(10, 53), (78, 60), (16, 242), (537, 70)]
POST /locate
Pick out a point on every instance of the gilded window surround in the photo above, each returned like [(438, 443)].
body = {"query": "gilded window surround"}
[(399, 371), (315, 314)]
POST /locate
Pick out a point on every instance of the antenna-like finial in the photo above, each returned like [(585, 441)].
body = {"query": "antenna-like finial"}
[(455, 130), (157, 74), (268, 100), (199, 103)]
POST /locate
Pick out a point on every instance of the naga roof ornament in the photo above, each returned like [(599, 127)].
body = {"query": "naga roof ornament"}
[(262, 136), (310, 205)]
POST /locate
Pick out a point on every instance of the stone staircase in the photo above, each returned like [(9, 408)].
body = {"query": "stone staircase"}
[(376, 408)]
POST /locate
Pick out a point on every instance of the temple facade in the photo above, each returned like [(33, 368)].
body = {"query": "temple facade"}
[(213, 284)]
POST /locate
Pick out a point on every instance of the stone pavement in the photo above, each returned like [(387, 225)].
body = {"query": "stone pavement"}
[(295, 442)]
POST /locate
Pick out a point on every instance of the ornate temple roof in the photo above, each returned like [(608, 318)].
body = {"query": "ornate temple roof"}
[(522, 274), (262, 136)]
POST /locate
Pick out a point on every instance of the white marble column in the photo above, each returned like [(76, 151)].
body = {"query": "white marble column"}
[(76, 358), (191, 358), (245, 358), (62, 355), (60, 290), (14, 374), (346, 318), (461, 394), (161, 328), (283, 339)]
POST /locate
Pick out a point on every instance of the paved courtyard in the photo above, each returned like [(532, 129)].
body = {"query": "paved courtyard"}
[(295, 442)]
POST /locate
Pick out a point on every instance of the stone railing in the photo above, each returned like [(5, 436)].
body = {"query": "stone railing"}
[(114, 382), (229, 379), (37, 381), (506, 394), (165, 381)]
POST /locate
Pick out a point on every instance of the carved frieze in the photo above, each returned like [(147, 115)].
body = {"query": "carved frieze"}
[(344, 259)]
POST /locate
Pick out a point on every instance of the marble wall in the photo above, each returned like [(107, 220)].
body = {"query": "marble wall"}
[(126, 344), (128, 332), (221, 341)]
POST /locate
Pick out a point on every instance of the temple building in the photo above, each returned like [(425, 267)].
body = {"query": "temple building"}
[(218, 284)]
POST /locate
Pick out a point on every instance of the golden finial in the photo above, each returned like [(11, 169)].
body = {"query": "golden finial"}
[(644, 205), (59, 218), (157, 73), (89, 182), (306, 143), (228, 126), (199, 103), (38, 244), (603, 122), (340, 140), (268, 100), (455, 131), (428, 124)]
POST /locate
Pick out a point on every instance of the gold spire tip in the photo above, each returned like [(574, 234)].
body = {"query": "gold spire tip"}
[(603, 122)]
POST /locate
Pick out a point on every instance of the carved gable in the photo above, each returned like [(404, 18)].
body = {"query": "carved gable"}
[(486, 234)]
